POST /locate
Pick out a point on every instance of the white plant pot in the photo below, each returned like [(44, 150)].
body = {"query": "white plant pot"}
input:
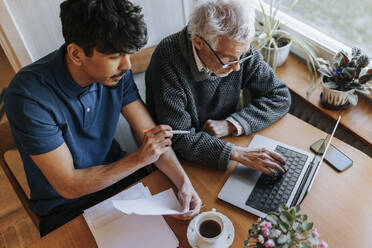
[(336, 97), (282, 52)]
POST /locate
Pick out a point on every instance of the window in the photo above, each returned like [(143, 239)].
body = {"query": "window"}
[(343, 20)]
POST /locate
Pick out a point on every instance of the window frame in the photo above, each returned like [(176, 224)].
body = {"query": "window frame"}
[(325, 45)]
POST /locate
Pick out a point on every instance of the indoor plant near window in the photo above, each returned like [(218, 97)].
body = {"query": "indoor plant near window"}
[(275, 44), (343, 78), (286, 229)]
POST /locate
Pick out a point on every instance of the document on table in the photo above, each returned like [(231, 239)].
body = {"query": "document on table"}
[(112, 228)]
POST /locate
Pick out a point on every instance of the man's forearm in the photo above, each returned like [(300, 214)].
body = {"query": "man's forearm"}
[(171, 167), (85, 181)]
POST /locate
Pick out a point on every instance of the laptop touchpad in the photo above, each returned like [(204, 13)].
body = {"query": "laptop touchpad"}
[(239, 185)]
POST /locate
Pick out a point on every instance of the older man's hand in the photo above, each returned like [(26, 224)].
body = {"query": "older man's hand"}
[(219, 128), (266, 161)]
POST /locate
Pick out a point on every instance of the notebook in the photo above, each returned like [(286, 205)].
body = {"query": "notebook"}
[(259, 193), (112, 228)]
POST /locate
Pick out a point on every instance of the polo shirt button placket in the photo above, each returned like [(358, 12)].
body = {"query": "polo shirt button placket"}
[(88, 110)]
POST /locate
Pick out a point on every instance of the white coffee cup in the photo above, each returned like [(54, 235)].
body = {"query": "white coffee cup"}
[(209, 228)]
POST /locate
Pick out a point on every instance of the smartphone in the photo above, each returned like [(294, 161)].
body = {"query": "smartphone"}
[(333, 157)]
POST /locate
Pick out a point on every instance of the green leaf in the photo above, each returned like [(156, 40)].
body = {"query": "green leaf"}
[(325, 72), (353, 99), (271, 219), (304, 217), (323, 61), (307, 226), (355, 51), (282, 239), (330, 85), (298, 236), (284, 218), (304, 245), (284, 227), (365, 78), (349, 72), (297, 227), (363, 91), (313, 240), (298, 208), (283, 208)]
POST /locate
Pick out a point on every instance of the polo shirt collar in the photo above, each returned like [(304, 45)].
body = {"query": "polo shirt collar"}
[(63, 77)]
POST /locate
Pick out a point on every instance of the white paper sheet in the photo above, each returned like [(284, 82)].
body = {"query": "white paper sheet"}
[(164, 203), (112, 228)]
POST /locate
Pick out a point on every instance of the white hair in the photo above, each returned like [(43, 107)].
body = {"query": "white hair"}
[(212, 19)]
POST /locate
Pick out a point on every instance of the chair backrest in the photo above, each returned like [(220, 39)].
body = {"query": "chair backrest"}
[(6, 144)]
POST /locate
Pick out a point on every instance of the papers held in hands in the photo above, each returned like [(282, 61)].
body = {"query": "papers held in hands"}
[(164, 203)]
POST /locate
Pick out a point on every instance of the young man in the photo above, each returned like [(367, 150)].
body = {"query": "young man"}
[(63, 111), (194, 80)]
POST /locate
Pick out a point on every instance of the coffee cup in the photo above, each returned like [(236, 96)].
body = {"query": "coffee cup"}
[(209, 229)]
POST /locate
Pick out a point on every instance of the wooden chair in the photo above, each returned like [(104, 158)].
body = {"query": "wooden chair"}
[(6, 144)]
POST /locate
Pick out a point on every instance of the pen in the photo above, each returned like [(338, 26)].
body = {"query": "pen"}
[(173, 131), (180, 132)]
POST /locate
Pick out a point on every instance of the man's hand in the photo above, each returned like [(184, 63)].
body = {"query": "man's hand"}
[(190, 201), (155, 142), (262, 160), (219, 128)]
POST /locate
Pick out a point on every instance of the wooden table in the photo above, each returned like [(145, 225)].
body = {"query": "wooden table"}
[(357, 119), (339, 203)]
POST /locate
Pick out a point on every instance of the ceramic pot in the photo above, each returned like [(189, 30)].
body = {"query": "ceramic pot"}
[(335, 97), (281, 55)]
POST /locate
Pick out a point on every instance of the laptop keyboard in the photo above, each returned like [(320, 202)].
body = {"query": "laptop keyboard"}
[(271, 192)]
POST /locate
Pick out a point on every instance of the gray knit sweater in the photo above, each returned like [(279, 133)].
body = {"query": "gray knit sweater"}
[(179, 95)]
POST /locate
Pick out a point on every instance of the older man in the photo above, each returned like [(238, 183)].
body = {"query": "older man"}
[(194, 81)]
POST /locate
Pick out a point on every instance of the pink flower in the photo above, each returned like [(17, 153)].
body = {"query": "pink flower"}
[(277, 233), (323, 244), (266, 232), (315, 233), (261, 239), (270, 243), (265, 224)]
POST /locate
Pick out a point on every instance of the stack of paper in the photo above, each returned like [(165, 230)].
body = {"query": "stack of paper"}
[(113, 228)]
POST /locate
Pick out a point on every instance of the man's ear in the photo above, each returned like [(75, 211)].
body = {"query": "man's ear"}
[(76, 54), (198, 43)]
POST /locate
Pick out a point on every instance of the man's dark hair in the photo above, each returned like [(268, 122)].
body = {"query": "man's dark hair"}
[(110, 26)]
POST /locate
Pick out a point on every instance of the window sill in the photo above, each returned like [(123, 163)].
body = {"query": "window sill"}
[(357, 118)]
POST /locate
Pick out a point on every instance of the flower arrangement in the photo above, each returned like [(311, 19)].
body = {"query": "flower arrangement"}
[(346, 73), (285, 229)]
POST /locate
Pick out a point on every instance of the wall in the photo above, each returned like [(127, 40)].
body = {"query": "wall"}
[(36, 23)]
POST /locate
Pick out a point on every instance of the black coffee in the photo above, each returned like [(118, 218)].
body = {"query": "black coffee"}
[(209, 229)]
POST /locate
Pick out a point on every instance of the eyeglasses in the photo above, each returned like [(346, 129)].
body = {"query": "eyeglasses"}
[(228, 64)]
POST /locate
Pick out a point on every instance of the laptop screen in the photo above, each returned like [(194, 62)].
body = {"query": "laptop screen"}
[(326, 143)]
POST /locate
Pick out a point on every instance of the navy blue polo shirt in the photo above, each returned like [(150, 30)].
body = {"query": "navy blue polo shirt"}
[(46, 108)]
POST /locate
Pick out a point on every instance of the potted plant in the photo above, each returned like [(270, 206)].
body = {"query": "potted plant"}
[(343, 78), (275, 44), (286, 229)]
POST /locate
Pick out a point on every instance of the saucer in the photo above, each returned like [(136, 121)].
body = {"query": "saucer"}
[(224, 241)]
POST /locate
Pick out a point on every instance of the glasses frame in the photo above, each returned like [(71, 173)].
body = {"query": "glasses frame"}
[(228, 64)]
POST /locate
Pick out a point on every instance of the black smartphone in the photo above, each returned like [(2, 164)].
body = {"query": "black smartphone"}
[(333, 157)]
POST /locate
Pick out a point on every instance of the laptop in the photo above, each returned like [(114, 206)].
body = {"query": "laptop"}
[(259, 193)]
